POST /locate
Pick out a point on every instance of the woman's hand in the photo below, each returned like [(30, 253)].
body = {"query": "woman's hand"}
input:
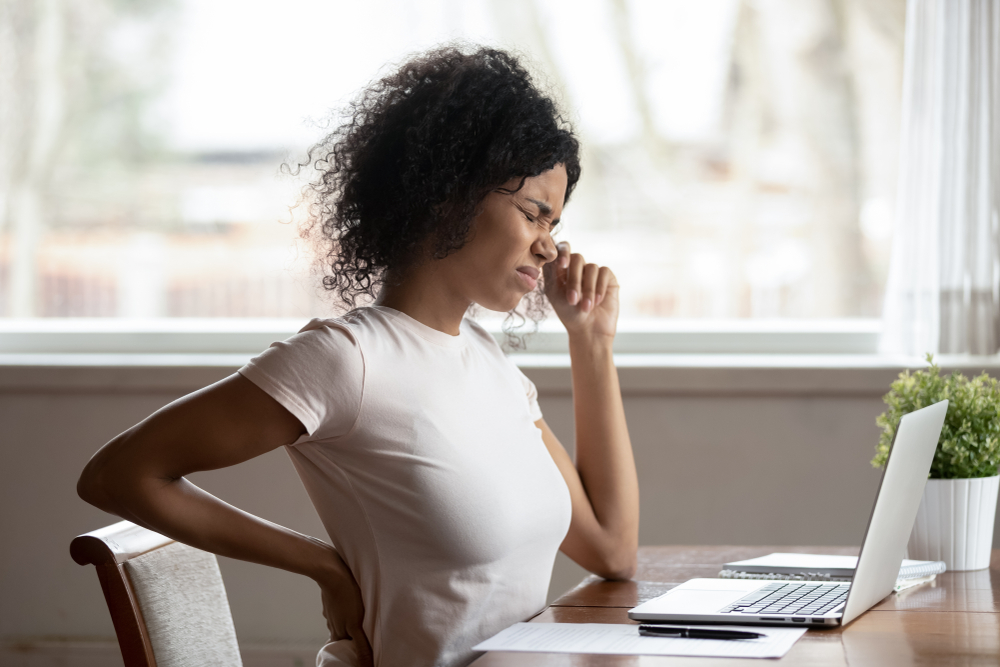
[(584, 296), (344, 608)]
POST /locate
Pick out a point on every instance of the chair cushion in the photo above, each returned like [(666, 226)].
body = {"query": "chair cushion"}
[(183, 601)]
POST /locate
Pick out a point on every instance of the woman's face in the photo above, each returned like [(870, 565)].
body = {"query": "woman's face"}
[(511, 241)]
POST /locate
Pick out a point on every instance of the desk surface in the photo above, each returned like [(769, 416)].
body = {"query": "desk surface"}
[(954, 621)]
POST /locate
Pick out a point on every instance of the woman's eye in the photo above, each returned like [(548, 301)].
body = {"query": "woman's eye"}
[(535, 221)]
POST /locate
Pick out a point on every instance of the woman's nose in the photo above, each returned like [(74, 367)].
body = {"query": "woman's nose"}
[(545, 248)]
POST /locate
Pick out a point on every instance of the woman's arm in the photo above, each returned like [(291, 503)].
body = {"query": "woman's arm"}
[(604, 532), (139, 476)]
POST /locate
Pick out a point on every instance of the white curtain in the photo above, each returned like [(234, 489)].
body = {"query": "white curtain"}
[(943, 292)]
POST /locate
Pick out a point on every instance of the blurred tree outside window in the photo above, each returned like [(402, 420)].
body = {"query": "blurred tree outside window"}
[(739, 155)]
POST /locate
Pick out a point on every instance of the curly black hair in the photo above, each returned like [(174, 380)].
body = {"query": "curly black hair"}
[(416, 155)]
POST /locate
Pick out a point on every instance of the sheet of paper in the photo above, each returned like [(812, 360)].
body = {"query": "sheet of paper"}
[(624, 639)]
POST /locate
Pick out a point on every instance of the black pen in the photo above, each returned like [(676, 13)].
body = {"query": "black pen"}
[(695, 633)]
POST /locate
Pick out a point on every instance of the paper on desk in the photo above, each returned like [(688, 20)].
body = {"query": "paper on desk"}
[(622, 639)]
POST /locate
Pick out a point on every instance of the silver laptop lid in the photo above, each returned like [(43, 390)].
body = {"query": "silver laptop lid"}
[(895, 508)]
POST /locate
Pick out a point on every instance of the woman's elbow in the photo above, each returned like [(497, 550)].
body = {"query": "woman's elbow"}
[(93, 487), (89, 486), (621, 573), (620, 565)]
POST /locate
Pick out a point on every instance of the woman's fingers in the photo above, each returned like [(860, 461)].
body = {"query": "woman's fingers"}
[(334, 622), (580, 284), (362, 647), (562, 259), (574, 279), (604, 278), (588, 287), (339, 629), (555, 271), (344, 609)]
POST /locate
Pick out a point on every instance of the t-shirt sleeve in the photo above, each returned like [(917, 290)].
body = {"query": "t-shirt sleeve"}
[(317, 375), (532, 393)]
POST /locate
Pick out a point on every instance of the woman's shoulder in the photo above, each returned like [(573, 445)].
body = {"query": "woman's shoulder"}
[(478, 333), (320, 342), (353, 323), (370, 323)]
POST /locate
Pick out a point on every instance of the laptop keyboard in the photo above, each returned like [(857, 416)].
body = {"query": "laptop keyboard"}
[(780, 598)]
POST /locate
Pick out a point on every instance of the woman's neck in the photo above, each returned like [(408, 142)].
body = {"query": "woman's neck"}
[(423, 297)]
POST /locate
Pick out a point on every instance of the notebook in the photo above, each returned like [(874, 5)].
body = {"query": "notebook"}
[(817, 567)]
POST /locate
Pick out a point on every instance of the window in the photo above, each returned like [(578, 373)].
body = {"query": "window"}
[(739, 155)]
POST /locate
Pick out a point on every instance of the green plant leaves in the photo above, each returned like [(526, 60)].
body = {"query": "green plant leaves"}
[(970, 439)]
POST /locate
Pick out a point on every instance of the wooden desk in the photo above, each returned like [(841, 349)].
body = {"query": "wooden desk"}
[(954, 621)]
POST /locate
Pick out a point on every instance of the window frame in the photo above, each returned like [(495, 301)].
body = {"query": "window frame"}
[(187, 336)]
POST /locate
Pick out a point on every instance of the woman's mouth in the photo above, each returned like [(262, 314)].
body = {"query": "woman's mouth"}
[(529, 274)]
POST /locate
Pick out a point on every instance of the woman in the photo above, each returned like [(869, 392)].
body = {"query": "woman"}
[(444, 492)]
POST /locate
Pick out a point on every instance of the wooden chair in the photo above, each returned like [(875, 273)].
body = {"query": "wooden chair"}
[(167, 600)]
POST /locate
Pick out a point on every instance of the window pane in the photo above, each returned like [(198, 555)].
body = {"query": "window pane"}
[(739, 160)]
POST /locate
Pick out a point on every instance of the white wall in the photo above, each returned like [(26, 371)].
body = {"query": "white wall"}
[(726, 454)]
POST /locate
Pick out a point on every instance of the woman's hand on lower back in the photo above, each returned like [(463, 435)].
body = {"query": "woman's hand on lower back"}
[(344, 608)]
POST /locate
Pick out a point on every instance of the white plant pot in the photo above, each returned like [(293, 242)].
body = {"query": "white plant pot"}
[(955, 522)]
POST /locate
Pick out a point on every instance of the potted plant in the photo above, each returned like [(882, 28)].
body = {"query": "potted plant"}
[(955, 520)]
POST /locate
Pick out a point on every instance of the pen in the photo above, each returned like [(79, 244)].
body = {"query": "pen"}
[(695, 633)]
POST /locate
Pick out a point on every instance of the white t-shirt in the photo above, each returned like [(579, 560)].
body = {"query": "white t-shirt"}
[(426, 468)]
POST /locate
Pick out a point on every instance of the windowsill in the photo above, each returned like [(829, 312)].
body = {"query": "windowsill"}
[(653, 374), (250, 336), (657, 357)]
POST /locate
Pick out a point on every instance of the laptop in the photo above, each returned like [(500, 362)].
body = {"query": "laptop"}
[(823, 603)]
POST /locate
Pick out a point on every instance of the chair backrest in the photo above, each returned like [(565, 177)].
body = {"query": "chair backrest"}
[(167, 600)]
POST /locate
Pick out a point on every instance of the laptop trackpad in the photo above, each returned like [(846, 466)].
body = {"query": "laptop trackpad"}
[(692, 601)]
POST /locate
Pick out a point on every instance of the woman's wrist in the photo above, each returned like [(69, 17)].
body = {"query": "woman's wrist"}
[(324, 563), (590, 343)]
